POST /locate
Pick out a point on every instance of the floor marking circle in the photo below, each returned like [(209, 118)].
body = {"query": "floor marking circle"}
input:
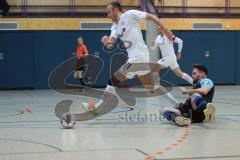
[(182, 138)]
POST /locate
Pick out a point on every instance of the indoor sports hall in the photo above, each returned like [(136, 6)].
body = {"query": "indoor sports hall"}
[(63, 95)]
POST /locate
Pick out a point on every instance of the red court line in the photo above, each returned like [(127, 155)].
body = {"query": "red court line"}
[(181, 139)]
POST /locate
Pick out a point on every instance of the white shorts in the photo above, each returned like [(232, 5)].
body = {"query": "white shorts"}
[(138, 66), (170, 61)]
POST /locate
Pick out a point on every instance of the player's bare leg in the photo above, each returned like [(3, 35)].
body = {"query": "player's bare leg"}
[(109, 92), (79, 74), (147, 81), (156, 68)]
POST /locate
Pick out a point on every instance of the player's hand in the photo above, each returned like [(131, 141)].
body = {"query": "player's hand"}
[(179, 56), (183, 90), (105, 40)]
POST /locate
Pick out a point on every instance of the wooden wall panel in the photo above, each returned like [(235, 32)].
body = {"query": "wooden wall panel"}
[(218, 3), (74, 23), (14, 2), (235, 3), (48, 2), (78, 2), (186, 23), (205, 3), (171, 2), (105, 2)]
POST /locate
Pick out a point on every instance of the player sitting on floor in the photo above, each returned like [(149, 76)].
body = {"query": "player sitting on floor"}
[(198, 106)]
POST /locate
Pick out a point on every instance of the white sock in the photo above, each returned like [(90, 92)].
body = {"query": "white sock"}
[(98, 103), (109, 89), (187, 78), (156, 79), (173, 100)]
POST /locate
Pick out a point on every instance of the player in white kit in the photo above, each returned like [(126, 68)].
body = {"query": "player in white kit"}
[(126, 27), (169, 58)]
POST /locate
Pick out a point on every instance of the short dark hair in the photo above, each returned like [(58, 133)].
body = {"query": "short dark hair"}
[(116, 4), (80, 38), (201, 67)]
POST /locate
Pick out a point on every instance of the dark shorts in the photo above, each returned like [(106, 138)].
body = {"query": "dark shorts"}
[(197, 116), (80, 64)]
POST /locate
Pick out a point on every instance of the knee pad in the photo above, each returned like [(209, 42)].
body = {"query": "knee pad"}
[(200, 102), (197, 99)]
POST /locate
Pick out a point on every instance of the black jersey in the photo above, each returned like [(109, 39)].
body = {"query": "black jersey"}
[(203, 83)]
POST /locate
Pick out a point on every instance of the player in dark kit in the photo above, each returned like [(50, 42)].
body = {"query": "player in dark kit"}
[(198, 106)]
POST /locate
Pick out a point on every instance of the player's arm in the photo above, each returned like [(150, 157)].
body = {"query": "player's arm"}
[(76, 53), (108, 41), (153, 45), (156, 20), (180, 45), (202, 91), (206, 86), (85, 51)]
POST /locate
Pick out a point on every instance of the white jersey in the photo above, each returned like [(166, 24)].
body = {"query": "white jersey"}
[(129, 31), (166, 45)]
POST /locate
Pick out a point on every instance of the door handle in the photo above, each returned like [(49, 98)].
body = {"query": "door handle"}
[(207, 54), (1, 56)]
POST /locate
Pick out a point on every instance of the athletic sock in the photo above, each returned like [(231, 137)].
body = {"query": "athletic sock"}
[(200, 103), (108, 93), (169, 115), (156, 79), (187, 78), (173, 100)]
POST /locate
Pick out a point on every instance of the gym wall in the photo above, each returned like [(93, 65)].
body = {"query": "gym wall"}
[(30, 54)]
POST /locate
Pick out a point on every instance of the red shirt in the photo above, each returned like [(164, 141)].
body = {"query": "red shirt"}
[(81, 50)]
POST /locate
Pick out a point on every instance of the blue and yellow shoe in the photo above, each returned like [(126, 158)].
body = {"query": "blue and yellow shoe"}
[(182, 121), (209, 112)]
